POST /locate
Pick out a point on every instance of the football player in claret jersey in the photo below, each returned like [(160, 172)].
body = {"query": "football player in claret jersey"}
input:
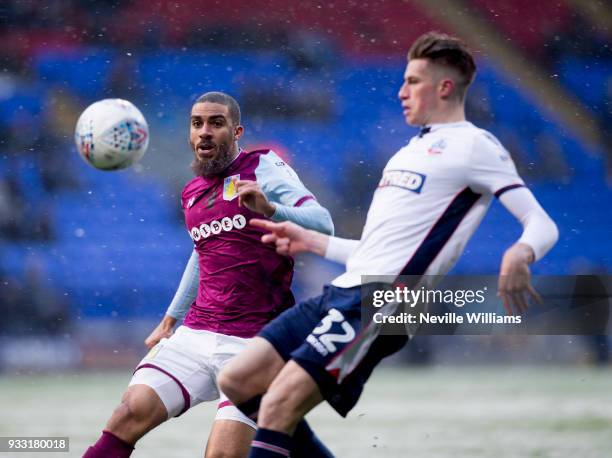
[(233, 284), (431, 197)]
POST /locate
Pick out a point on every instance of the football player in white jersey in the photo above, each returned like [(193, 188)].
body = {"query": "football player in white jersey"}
[(432, 195)]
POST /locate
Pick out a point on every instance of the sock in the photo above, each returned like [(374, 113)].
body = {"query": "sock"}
[(270, 444), (109, 446), (307, 445), (251, 407)]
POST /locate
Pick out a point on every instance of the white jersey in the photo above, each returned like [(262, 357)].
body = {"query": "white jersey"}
[(432, 195)]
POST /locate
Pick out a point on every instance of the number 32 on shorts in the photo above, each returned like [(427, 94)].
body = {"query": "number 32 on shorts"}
[(325, 341)]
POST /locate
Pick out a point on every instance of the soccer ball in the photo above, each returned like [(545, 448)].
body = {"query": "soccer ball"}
[(111, 134)]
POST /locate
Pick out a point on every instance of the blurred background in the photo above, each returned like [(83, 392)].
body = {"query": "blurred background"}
[(89, 260)]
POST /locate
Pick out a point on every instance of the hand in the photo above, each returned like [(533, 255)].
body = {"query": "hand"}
[(252, 197), (514, 285), (163, 330), (291, 239)]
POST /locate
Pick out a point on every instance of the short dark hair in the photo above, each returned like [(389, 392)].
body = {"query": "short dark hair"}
[(447, 51), (223, 99)]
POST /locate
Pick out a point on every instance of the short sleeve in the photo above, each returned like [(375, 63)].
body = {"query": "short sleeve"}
[(279, 182), (491, 169)]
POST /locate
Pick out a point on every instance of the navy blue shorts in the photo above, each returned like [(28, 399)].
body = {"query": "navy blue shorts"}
[(324, 336)]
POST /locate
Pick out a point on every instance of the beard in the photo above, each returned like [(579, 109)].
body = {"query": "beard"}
[(214, 166)]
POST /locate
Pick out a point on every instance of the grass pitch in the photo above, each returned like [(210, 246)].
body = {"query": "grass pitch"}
[(412, 412)]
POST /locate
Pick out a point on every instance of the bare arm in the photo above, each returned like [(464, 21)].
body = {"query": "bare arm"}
[(163, 330), (291, 239)]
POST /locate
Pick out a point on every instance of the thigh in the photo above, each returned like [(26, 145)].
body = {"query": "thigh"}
[(174, 363), (160, 388), (251, 371), (265, 355), (229, 438)]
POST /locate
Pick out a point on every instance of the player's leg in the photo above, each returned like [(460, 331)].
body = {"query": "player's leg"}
[(279, 338), (232, 439), (229, 439), (333, 363), (169, 380), (233, 431), (292, 394), (141, 409), (258, 363), (250, 373), (231, 434)]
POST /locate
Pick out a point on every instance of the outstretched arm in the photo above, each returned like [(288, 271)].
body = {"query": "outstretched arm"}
[(539, 235), (491, 169), (291, 239), (339, 249)]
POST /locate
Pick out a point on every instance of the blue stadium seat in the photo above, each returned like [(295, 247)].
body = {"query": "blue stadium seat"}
[(85, 71), (121, 247)]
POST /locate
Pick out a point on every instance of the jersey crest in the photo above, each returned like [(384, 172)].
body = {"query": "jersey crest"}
[(437, 148), (229, 187)]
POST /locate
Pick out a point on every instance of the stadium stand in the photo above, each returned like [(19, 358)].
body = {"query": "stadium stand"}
[(333, 108), (528, 24)]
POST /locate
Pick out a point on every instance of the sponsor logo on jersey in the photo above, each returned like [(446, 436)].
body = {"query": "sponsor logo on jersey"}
[(215, 227), (406, 179), (229, 187), (190, 202)]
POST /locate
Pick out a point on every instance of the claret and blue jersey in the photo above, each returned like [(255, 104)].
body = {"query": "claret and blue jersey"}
[(243, 282)]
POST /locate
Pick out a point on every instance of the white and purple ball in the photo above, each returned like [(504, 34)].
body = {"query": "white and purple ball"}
[(111, 134)]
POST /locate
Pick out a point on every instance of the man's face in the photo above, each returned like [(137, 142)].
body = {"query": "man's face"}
[(419, 93), (212, 137)]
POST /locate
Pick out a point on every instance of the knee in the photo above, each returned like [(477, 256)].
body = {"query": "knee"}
[(127, 412), (136, 414), (125, 418), (231, 385)]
